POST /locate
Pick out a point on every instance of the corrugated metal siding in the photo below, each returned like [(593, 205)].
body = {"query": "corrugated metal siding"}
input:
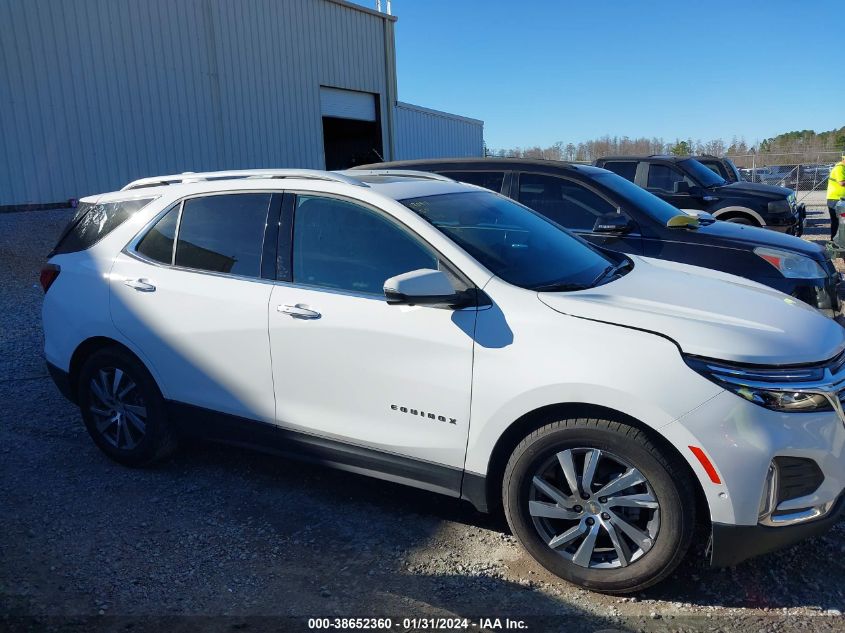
[(424, 133), (95, 93)]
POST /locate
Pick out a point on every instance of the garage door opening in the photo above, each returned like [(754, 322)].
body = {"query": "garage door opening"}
[(349, 142), (351, 128)]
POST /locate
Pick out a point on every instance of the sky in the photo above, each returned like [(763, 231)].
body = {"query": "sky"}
[(573, 70)]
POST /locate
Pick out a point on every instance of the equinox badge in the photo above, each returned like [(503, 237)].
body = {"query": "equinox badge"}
[(423, 414)]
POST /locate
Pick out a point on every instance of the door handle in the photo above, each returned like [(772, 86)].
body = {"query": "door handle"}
[(298, 311), (141, 285)]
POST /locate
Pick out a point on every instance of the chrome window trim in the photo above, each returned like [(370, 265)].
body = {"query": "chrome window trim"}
[(152, 262)]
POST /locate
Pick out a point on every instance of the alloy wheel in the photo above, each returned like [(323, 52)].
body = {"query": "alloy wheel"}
[(594, 508), (117, 407)]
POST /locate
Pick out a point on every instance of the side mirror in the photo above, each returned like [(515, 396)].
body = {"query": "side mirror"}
[(423, 287), (612, 223), (681, 186)]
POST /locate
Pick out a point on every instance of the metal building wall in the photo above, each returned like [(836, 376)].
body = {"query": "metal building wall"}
[(95, 93), (424, 133)]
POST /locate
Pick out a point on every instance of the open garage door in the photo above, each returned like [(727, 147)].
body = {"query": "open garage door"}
[(351, 128)]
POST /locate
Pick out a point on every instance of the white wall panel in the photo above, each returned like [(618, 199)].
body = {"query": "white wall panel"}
[(425, 133)]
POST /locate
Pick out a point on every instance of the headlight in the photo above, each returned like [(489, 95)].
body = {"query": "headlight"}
[(791, 265), (780, 207), (779, 389)]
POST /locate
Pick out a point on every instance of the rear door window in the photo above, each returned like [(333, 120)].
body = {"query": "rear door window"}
[(564, 201), (663, 177), (223, 233), (92, 222), (625, 168), (491, 180)]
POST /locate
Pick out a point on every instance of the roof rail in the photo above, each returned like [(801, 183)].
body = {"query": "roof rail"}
[(410, 173), (189, 176)]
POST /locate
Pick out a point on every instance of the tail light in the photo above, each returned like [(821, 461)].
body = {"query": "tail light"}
[(49, 274)]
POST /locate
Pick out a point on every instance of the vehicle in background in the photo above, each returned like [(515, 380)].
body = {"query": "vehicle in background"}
[(437, 334), (688, 185), (779, 175), (611, 212), (797, 177), (723, 166), (814, 177), (754, 174)]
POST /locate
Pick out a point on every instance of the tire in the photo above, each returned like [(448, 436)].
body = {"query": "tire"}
[(537, 521), (128, 423)]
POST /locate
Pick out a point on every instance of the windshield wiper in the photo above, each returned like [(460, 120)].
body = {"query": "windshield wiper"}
[(611, 271), (563, 286), (560, 287)]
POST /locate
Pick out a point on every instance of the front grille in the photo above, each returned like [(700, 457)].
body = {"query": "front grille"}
[(797, 477)]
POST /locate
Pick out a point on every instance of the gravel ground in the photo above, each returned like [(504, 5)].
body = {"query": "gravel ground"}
[(226, 539)]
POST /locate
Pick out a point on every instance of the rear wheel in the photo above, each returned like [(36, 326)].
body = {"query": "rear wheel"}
[(123, 409), (596, 503)]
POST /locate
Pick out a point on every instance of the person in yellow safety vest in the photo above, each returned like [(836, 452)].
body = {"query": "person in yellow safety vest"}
[(835, 192)]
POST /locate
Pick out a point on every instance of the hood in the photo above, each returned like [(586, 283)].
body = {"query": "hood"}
[(755, 189), (708, 313), (729, 233)]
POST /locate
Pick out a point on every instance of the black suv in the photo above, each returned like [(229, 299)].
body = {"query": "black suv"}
[(685, 183), (615, 214)]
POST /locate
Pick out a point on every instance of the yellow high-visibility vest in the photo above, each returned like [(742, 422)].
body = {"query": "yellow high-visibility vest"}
[(835, 191)]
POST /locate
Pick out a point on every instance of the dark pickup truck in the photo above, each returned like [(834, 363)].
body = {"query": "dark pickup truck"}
[(688, 185)]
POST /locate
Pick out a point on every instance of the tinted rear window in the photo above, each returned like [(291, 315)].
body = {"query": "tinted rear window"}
[(92, 222), (491, 180), (625, 168), (223, 233)]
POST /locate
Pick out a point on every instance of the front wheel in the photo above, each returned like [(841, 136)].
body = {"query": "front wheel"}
[(598, 504)]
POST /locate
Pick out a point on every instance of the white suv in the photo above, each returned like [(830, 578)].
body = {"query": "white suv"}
[(420, 330)]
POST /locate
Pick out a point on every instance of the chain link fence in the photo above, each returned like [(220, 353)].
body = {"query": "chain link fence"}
[(805, 172)]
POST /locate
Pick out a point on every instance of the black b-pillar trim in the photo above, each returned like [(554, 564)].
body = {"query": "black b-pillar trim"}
[(271, 238)]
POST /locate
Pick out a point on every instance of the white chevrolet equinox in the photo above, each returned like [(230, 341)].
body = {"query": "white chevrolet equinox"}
[(409, 327)]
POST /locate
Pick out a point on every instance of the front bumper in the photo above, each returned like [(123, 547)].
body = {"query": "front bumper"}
[(793, 225), (802, 219), (733, 544), (741, 439)]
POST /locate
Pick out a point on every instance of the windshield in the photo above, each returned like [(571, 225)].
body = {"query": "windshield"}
[(733, 170), (706, 177), (512, 241), (638, 197)]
